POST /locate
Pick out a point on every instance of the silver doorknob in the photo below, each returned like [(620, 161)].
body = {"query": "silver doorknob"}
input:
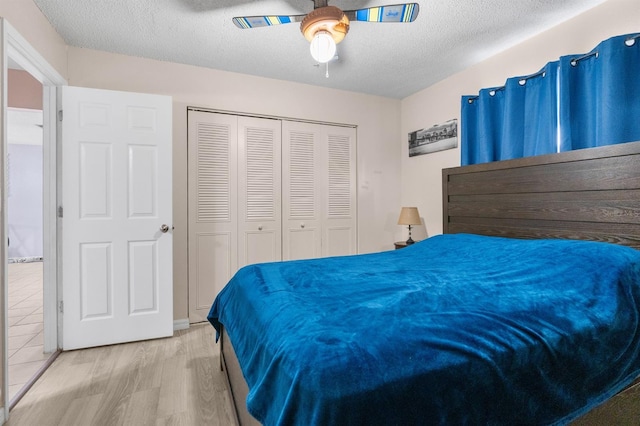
[(164, 229)]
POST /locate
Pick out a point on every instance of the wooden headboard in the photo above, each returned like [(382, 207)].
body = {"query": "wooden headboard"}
[(590, 194)]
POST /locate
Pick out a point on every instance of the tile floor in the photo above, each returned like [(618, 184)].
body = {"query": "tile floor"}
[(25, 324)]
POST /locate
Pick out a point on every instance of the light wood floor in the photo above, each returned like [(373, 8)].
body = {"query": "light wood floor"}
[(25, 322), (173, 381)]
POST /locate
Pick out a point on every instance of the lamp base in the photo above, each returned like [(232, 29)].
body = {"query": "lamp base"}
[(410, 240)]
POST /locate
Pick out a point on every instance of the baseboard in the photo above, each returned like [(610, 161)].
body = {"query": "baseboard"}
[(181, 324)]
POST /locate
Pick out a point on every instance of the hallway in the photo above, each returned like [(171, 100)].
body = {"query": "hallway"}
[(25, 348)]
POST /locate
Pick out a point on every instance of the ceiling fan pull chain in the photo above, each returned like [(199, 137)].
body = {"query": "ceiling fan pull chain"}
[(327, 71)]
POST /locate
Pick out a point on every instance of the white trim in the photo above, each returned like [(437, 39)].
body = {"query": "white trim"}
[(29, 59), (50, 224), (3, 219), (181, 324), (19, 49), (270, 117), (57, 134)]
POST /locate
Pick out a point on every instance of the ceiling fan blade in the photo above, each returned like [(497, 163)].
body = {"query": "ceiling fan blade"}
[(245, 22), (406, 12)]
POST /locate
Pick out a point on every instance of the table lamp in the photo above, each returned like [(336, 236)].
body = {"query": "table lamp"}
[(409, 216)]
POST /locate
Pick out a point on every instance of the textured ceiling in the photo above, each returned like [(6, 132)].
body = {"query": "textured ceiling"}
[(386, 59)]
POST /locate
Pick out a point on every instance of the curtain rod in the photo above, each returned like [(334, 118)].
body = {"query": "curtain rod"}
[(521, 80), (575, 61), (270, 117), (629, 41)]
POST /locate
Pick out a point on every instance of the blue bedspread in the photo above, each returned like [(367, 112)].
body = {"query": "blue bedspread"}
[(457, 329)]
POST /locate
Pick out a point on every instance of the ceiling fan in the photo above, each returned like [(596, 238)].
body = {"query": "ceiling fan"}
[(327, 26)]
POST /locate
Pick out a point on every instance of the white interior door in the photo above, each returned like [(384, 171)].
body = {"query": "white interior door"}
[(117, 217)]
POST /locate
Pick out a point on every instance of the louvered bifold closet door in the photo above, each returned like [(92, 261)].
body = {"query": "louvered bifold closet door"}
[(339, 222), (259, 190), (301, 190), (212, 204)]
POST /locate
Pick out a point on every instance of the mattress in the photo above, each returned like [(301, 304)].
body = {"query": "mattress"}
[(456, 329)]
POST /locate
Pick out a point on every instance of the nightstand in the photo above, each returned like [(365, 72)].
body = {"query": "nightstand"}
[(400, 244)]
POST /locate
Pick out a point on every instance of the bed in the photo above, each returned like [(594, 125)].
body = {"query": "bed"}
[(423, 351)]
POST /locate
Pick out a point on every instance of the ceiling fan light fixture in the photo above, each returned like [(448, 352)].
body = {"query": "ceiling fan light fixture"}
[(330, 19), (323, 47), (324, 27)]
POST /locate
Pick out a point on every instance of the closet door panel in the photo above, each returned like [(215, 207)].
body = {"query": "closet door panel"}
[(302, 243), (260, 246), (301, 190), (259, 190), (339, 241), (212, 194), (339, 207)]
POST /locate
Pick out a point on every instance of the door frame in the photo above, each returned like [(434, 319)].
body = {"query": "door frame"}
[(16, 48)]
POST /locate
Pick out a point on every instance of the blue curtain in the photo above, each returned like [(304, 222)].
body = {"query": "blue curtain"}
[(580, 101), (600, 95), (513, 121), (481, 121)]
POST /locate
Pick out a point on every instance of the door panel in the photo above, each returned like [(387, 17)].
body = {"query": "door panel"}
[(301, 190), (302, 243), (142, 190), (340, 241), (117, 270), (95, 180), (214, 266), (96, 283), (143, 282), (213, 211), (339, 210), (261, 246), (259, 181)]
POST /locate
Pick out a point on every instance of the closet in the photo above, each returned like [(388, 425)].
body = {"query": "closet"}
[(263, 190)]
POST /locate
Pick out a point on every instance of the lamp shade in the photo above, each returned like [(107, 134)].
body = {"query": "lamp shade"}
[(409, 216), (323, 47)]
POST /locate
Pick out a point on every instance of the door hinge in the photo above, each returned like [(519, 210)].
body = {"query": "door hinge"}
[(60, 115), (60, 211), (61, 307)]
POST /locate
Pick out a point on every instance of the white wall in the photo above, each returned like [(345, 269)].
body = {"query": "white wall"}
[(24, 183), (422, 175), (377, 118)]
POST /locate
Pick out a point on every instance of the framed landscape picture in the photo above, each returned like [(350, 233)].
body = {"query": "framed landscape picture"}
[(435, 138)]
